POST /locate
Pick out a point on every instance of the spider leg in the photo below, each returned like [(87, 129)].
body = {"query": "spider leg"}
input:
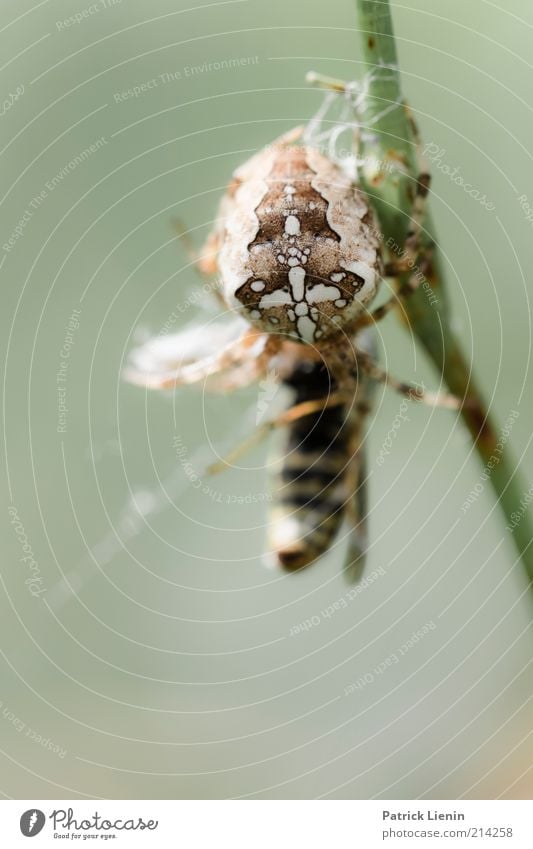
[(413, 251), (405, 285), (422, 182), (204, 261), (415, 256), (423, 177), (357, 478), (287, 417), (414, 393)]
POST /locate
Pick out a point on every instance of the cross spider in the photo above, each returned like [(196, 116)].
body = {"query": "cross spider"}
[(298, 253)]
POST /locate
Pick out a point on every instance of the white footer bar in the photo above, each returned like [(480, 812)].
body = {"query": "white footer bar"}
[(269, 824)]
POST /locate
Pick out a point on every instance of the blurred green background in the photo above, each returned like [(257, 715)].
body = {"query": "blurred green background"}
[(154, 658)]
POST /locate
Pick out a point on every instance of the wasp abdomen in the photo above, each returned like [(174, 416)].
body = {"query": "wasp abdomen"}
[(309, 488)]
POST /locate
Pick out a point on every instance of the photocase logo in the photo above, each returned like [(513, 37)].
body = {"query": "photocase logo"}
[(32, 822)]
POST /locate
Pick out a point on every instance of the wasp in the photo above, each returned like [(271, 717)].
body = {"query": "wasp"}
[(299, 257)]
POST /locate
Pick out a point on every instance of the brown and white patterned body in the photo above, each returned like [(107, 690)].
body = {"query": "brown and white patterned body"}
[(298, 253), (298, 247)]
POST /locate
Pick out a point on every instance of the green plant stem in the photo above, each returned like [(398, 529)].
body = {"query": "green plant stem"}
[(388, 138)]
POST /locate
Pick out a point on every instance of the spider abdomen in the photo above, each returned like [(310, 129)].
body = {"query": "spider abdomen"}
[(300, 250)]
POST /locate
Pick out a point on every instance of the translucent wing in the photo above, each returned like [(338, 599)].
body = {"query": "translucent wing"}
[(184, 357), (357, 512), (358, 518)]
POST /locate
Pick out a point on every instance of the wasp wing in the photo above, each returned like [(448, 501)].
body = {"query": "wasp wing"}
[(170, 359), (357, 511)]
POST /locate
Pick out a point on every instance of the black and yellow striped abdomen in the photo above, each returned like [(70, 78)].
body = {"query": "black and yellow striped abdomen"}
[(311, 485)]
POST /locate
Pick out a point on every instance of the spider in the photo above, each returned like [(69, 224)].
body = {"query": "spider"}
[(299, 258)]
